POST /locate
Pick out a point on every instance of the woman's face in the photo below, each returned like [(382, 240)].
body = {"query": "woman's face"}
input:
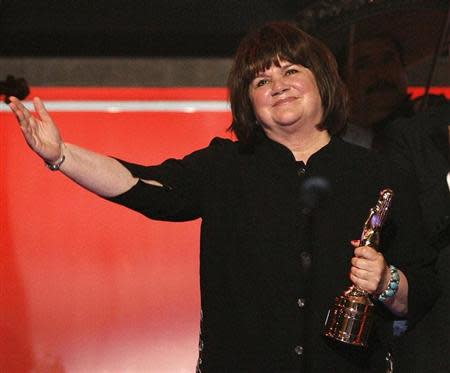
[(286, 99)]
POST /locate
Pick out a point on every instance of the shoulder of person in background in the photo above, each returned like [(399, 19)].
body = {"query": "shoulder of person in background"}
[(419, 146), (431, 102), (425, 134)]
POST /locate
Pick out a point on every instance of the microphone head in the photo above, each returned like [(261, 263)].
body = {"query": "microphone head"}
[(17, 87), (314, 191)]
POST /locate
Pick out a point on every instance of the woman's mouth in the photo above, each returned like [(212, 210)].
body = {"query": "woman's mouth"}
[(284, 101)]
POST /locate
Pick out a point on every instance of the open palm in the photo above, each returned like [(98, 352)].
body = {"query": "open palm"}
[(40, 132)]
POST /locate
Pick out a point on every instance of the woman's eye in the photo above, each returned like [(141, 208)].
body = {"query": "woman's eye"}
[(291, 71), (261, 82)]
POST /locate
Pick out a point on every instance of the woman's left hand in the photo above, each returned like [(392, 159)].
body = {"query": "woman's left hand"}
[(369, 270)]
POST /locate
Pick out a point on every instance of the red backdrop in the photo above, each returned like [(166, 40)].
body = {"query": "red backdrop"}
[(86, 285)]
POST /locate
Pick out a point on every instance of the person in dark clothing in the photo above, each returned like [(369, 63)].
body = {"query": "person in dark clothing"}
[(375, 74), (420, 147), (271, 263), (386, 119)]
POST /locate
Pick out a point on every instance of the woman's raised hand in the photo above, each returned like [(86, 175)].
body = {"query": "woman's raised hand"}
[(39, 131)]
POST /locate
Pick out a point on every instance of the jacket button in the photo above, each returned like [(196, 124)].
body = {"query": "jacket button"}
[(305, 259), (301, 302), (298, 350), (301, 171)]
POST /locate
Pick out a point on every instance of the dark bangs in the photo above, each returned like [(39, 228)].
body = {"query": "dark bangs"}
[(269, 46)]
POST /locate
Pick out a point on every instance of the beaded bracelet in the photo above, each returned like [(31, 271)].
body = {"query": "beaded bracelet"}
[(392, 287)]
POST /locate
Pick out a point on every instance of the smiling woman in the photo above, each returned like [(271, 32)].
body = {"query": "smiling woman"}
[(276, 48), (270, 264), (288, 106)]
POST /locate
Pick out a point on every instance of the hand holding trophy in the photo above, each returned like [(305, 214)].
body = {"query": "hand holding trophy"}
[(351, 317)]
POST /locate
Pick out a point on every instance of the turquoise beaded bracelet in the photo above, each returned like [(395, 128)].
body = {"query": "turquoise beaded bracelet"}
[(392, 287)]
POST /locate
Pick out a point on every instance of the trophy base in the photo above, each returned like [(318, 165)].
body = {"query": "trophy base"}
[(351, 317)]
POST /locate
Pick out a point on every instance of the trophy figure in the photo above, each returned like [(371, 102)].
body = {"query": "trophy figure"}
[(350, 319)]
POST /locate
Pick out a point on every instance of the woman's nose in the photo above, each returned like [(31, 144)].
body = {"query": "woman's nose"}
[(278, 86)]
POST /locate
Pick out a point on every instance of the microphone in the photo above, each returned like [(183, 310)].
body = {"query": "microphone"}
[(314, 191), (17, 87)]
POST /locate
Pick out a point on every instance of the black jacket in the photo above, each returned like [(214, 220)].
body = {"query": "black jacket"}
[(269, 269), (420, 147)]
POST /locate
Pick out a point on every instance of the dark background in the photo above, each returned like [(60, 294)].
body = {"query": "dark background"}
[(133, 28), (166, 42)]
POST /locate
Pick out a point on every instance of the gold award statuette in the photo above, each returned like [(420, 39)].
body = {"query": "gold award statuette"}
[(350, 319)]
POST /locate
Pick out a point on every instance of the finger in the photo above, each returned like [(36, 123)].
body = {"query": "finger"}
[(367, 272), (27, 125), (361, 263), (13, 99), (366, 252), (360, 273), (375, 266), (26, 113), (17, 103), (14, 109), (41, 110), (14, 105), (21, 112), (363, 284)]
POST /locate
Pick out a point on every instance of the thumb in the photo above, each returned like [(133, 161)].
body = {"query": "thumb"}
[(355, 243)]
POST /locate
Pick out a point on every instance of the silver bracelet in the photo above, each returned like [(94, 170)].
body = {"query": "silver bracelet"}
[(55, 166), (392, 287)]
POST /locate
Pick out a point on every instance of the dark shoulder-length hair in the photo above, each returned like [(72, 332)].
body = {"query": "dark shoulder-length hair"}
[(266, 46)]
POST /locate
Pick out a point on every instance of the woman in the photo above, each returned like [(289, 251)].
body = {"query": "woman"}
[(271, 262)]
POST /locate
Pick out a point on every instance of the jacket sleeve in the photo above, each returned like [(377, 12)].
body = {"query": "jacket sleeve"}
[(183, 184)]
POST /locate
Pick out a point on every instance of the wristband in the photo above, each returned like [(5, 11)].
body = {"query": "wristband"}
[(392, 287)]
